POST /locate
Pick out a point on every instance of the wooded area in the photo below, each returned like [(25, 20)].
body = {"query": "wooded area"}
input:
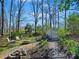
[(52, 21)]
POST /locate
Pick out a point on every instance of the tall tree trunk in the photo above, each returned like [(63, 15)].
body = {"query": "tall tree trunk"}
[(65, 17), (58, 18), (13, 25), (42, 18), (55, 20), (19, 15), (10, 27), (46, 20), (35, 10), (49, 13), (55, 17), (2, 4), (18, 22), (20, 10)]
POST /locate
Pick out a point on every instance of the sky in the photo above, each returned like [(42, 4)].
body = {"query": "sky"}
[(28, 14), (28, 18)]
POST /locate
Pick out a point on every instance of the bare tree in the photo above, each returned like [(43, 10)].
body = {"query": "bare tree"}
[(2, 18), (35, 5), (21, 3), (65, 15), (58, 19), (46, 20), (42, 9), (6, 24), (50, 16), (0, 24), (14, 16), (11, 6), (55, 20)]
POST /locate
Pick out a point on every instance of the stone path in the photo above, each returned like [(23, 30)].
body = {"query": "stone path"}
[(52, 45), (10, 51), (54, 52)]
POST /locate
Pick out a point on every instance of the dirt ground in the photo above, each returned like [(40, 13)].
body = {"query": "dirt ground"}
[(9, 51)]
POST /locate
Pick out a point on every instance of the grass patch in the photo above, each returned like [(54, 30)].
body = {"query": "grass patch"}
[(1, 49), (11, 46), (3, 41)]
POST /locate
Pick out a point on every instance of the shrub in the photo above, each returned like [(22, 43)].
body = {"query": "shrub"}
[(14, 34), (77, 54), (70, 45), (72, 50), (43, 43), (62, 32), (73, 23), (37, 34), (28, 28)]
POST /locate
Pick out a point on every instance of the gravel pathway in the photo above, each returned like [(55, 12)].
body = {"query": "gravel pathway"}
[(9, 51), (54, 53), (51, 45)]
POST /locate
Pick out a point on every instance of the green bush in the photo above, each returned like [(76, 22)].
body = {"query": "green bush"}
[(72, 50), (15, 33), (43, 43), (37, 34), (28, 28), (77, 54), (62, 32), (73, 23), (70, 45)]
